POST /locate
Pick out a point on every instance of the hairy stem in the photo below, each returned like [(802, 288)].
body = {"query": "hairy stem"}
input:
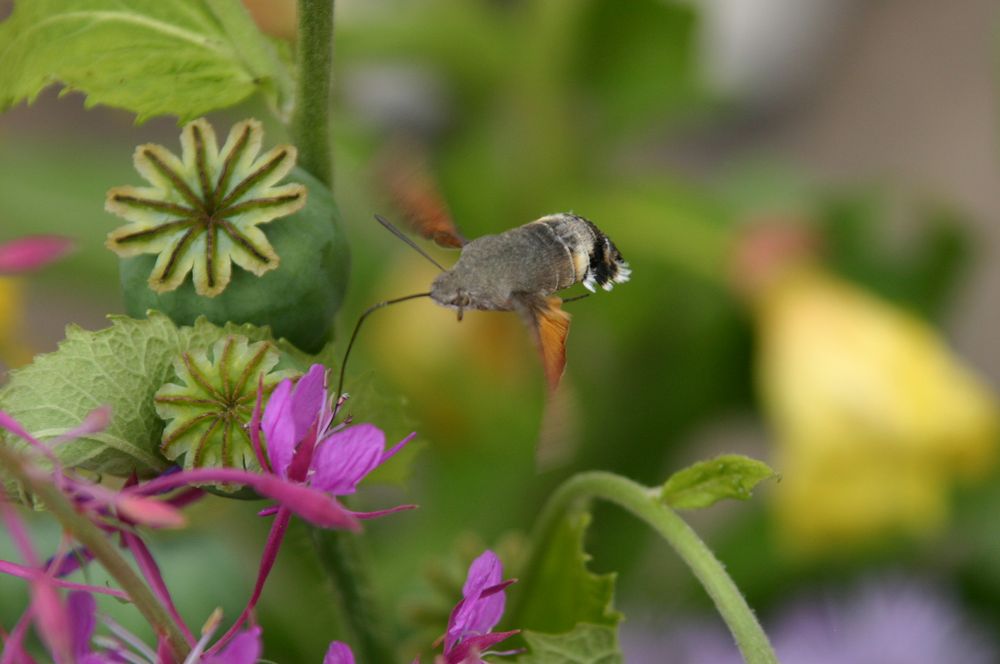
[(643, 503), (342, 560), (311, 116), (98, 545)]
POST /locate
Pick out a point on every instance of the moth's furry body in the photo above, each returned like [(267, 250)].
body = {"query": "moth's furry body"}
[(494, 272)]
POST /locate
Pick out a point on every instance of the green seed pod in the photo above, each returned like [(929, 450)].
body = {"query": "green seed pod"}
[(202, 215)]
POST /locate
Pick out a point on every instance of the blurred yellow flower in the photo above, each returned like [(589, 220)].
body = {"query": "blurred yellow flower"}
[(875, 418), (13, 351)]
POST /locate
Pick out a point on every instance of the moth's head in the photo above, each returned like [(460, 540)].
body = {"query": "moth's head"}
[(446, 290)]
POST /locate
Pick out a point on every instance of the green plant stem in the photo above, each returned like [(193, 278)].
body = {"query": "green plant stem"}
[(338, 551), (311, 116), (643, 503), (342, 560), (103, 551)]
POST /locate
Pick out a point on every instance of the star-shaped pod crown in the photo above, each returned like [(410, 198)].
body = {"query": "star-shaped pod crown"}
[(202, 212)]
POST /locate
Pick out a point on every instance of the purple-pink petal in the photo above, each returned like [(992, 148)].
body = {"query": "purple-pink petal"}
[(51, 618), (279, 427), (380, 513), (64, 565), (243, 649), (290, 412), (391, 452), (25, 572), (338, 653), (344, 458), (28, 253), (149, 511), (470, 649), (10, 424), (82, 619), (482, 606), (96, 420), (314, 506)]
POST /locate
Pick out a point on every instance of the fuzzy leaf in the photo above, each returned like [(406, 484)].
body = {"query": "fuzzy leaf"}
[(183, 57), (565, 592), (122, 366), (707, 482), (584, 644)]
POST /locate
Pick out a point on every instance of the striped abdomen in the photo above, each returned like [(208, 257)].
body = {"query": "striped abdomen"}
[(595, 259)]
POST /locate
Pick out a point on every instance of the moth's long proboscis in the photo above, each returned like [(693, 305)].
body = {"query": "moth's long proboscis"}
[(357, 328)]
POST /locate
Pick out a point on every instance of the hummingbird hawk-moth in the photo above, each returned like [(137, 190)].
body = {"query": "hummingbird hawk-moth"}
[(520, 269), (517, 270)]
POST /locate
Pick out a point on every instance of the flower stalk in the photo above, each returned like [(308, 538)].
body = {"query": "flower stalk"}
[(341, 558), (310, 126), (91, 537), (643, 502)]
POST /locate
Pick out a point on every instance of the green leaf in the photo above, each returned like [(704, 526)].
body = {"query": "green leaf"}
[(585, 644), (184, 57), (564, 592), (123, 366), (707, 482)]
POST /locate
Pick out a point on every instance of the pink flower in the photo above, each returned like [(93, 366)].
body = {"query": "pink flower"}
[(244, 649), (303, 447), (338, 653), (33, 251), (469, 633)]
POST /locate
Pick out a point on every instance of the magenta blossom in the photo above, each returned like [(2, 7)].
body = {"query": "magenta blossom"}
[(33, 251), (338, 653), (469, 634), (303, 447)]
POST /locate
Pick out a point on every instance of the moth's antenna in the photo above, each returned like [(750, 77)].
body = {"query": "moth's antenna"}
[(398, 233), (357, 328)]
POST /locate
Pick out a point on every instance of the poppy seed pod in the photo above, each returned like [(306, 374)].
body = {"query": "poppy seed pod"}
[(298, 299)]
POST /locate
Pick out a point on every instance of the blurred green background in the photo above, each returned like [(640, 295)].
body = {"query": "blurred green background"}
[(670, 124)]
